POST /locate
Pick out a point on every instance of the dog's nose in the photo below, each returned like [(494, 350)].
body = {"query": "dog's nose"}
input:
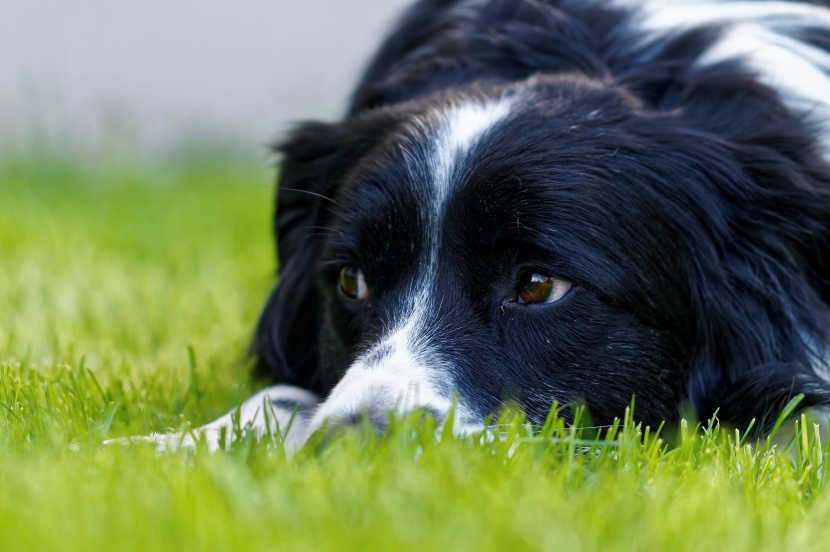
[(363, 422), (376, 421), (379, 419)]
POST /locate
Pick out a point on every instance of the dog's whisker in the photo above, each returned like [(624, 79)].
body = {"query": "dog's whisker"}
[(316, 234), (327, 228), (308, 192)]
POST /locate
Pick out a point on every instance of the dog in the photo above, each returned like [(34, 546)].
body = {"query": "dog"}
[(570, 201)]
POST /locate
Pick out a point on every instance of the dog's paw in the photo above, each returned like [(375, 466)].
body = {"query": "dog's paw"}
[(280, 411), (174, 441)]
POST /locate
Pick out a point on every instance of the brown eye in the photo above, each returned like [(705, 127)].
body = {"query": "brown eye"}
[(352, 283), (535, 288)]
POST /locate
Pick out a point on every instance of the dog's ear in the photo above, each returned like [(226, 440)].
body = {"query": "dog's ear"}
[(316, 158), (763, 299), (285, 342)]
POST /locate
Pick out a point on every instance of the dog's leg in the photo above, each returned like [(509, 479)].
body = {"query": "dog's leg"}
[(280, 409)]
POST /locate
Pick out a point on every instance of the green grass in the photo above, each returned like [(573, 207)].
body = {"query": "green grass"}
[(127, 296)]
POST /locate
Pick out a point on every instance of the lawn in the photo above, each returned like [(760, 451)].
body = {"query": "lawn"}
[(127, 295)]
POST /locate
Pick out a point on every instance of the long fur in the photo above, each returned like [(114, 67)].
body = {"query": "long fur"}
[(676, 176)]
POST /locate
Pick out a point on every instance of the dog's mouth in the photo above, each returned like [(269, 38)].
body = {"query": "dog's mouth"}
[(368, 399), (371, 426)]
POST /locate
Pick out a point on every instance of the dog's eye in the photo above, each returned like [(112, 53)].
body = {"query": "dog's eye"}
[(352, 283), (535, 288)]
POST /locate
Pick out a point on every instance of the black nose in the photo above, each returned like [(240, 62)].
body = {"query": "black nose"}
[(373, 424), (379, 420), (376, 422)]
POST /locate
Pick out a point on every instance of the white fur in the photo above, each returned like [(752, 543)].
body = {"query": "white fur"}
[(401, 373), (797, 71), (662, 15), (459, 129), (401, 384), (756, 34), (263, 414)]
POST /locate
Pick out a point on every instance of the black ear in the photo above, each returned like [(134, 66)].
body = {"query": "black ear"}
[(315, 159), (285, 342)]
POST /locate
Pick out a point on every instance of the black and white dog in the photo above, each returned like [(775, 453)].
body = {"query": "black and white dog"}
[(560, 200)]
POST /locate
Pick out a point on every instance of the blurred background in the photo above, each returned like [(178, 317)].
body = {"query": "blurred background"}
[(136, 182), (124, 78)]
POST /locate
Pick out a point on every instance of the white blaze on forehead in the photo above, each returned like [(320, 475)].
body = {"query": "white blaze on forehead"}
[(452, 134), (458, 130), (758, 34), (402, 372)]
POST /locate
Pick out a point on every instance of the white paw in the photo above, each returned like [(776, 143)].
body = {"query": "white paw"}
[(281, 411), (174, 441)]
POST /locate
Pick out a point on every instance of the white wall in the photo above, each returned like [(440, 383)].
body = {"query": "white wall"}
[(89, 71)]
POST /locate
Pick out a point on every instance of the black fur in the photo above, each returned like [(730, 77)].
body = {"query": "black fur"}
[(688, 205)]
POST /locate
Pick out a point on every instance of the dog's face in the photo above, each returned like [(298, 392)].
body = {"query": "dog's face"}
[(476, 250), (548, 240)]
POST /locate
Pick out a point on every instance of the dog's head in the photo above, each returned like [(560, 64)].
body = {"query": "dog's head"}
[(553, 239)]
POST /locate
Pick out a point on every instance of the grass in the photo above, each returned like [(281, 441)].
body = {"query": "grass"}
[(127, 295)]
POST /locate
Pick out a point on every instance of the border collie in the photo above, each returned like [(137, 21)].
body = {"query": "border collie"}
[(560, 200)]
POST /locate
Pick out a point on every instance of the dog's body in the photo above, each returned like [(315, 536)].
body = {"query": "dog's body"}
[(562, 200)]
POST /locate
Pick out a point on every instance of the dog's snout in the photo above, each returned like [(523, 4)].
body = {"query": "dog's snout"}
[(370, 422), (429, 412), (378, 421)]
